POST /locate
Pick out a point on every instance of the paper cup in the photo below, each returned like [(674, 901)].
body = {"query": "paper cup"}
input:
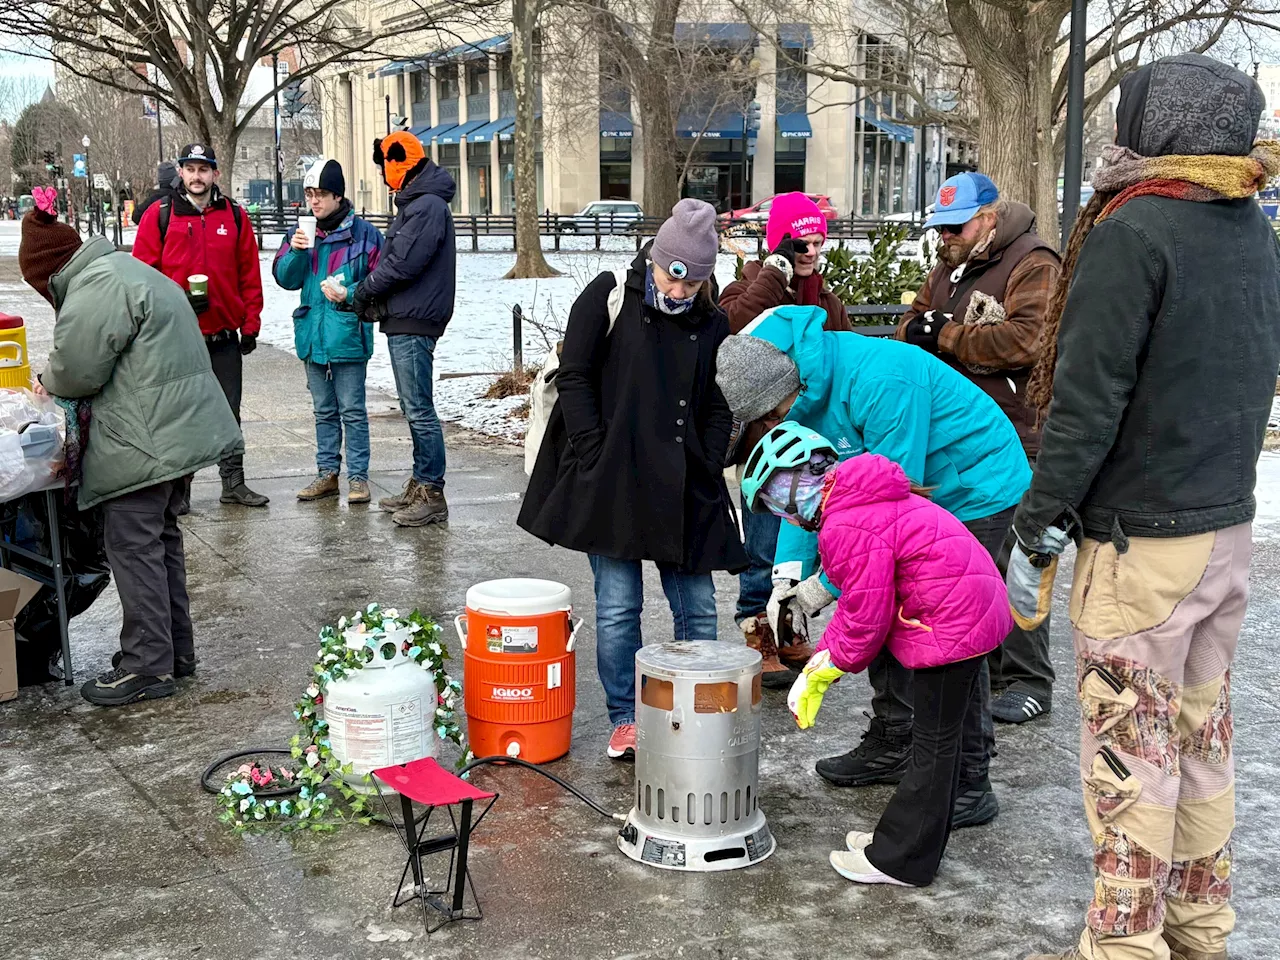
[(308, 226), (198, 283)]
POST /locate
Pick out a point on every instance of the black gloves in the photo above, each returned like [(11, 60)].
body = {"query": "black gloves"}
[(923, 330), (199, 302), (248, 344), (787, 248)]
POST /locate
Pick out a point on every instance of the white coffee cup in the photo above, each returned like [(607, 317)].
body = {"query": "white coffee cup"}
[(308, 226)]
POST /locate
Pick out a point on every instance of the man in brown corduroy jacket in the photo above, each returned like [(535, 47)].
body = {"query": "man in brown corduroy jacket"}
[(982, 310)]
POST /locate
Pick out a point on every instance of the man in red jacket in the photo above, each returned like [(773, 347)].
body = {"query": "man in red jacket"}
[(199, 232)]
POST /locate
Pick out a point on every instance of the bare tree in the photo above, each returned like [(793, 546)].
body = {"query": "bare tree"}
[(123, 142), (530, 262), (196, 57), (1003, 65)]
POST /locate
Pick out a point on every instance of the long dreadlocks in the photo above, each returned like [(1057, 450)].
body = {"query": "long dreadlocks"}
[(1040, 386)]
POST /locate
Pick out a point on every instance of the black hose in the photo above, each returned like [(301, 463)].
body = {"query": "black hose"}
[(223, 761), (502, 760)]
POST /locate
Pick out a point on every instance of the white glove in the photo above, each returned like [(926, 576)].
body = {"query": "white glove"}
[(783, 592), (1029, 577), (812, 596)]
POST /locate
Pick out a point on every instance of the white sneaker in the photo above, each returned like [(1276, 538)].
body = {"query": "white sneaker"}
[(858, 840), (856, 867)]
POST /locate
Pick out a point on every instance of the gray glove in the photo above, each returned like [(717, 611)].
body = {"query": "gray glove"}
[(813, 596)]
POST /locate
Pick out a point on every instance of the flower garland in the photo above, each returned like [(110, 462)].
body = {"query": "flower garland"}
[(354, 642)]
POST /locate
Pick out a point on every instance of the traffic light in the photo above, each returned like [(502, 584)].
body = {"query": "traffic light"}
[(48, 161), (753, 117), (293, 97)]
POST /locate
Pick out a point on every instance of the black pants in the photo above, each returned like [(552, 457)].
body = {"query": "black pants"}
[(144, 548), (912, 833), (228, 367)]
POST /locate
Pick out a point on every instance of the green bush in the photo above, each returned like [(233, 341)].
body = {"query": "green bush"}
[(880, 278)]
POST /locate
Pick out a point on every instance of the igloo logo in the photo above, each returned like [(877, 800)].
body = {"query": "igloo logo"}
[(516, 694)]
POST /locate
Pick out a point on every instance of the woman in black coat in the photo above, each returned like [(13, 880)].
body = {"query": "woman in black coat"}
[(631, 467)]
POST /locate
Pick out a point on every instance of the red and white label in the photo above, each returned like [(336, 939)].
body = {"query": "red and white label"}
[(516, 693), (947, 196)]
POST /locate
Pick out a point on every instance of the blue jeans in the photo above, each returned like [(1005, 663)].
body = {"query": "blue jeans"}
[(619, 600), (411, 362), (337, 397), (755, 583)]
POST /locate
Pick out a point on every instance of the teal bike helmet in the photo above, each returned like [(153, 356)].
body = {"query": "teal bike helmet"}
[(787, 446)]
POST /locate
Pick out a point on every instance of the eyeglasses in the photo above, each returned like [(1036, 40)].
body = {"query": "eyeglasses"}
[(952, 229)]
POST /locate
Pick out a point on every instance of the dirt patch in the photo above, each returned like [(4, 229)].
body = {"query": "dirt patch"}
[(513, 383)]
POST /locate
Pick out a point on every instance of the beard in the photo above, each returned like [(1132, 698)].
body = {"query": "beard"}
[(955, 252)]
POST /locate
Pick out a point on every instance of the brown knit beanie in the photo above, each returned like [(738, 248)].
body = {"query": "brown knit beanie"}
[(46, 247)]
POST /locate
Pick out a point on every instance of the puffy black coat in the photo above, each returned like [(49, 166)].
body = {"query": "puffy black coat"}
[(411, 290), (631, 466)]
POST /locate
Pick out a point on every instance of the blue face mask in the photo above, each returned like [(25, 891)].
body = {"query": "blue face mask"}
[(664, 304)]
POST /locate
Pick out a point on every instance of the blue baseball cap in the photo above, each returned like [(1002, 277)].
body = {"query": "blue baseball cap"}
[(960, 199)]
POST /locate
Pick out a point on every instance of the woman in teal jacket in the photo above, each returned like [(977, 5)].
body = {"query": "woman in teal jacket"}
[(331, 341), (869, 395)]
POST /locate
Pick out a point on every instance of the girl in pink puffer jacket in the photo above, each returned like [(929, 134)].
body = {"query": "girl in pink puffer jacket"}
[(911, 577)]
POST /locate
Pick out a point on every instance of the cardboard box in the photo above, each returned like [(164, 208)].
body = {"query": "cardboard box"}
[(16, 591)]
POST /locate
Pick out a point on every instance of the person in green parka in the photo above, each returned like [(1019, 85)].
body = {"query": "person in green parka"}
[(126, 340), (332, 342)]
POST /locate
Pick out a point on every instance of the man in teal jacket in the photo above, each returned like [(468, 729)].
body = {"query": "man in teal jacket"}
[(881, 396), (331, 341), (127, 340)]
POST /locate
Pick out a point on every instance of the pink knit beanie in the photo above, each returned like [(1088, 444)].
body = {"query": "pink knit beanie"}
[(796, 214)]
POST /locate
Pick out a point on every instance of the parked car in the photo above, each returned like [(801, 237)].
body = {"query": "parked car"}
[(607, 216), (760, 209)]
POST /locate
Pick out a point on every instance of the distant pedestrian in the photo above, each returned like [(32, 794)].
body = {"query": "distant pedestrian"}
[(201, 232), (982, 311), (167, 185), (632, 464), (1158, 377), (795, 233), (125, 339), (916, 583), (331, 341), (411, 292)]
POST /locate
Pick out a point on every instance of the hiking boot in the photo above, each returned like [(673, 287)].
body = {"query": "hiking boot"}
[(428, 506), (358, 492), (402, 499), (1180, 951), (119, 687), (622, 744), (324, 485), (1014, 706), (182, 666), (235, 491), (797, 654), (877, 759), (854, 865), (976, 804), (760, 637)]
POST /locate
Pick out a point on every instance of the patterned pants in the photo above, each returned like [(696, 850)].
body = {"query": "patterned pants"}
[(1155, 632)]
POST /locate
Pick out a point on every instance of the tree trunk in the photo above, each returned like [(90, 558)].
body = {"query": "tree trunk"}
[(661, 171), (530, 263)]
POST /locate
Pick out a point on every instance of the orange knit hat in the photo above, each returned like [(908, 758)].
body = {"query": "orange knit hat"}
[(397, 154)]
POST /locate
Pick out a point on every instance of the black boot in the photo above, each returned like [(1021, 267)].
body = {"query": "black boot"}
[(976, 804), (119, 687), (878, 759), (234, 490), (182, 666)]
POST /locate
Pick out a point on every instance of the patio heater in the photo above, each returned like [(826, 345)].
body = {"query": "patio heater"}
[(697, 759)]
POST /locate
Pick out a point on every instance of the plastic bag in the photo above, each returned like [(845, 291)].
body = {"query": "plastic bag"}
[(33, 433), (84, 556)]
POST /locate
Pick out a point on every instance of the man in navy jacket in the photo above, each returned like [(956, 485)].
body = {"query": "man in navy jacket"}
[(411, 293)]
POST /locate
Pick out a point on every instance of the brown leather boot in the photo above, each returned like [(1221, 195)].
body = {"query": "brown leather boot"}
[(796, 654), (760, 637), (400, 500), (1180, 951)]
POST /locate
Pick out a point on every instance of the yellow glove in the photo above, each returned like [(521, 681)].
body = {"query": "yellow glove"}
[(806, 694)]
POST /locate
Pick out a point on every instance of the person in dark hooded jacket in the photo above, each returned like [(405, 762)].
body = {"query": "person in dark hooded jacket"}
[(411, 292), (167, 185)]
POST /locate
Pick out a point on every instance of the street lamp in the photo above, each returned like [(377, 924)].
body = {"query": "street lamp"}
[(1073, 168), (88, 176)]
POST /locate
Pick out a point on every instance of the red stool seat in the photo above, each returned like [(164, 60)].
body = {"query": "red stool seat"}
[(429, 784)]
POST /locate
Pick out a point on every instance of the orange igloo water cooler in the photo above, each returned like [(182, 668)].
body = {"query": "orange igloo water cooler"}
[(519, 678)]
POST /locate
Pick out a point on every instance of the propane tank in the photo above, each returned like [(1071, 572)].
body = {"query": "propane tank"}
[(383, 713)]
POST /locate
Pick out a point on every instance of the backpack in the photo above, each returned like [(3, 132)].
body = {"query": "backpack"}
[(543, 392), (166, 213)]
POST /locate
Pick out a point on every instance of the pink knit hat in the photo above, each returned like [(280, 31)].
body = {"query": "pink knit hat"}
[(796, 214)]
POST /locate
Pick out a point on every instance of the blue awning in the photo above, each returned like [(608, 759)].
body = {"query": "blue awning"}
[(615, 124), (492, 131), (475, 51), (394, 68), (795, 35), (426, 133), (456, 134), (794, 126), (716, 34), (898, 131), (723, 125)]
